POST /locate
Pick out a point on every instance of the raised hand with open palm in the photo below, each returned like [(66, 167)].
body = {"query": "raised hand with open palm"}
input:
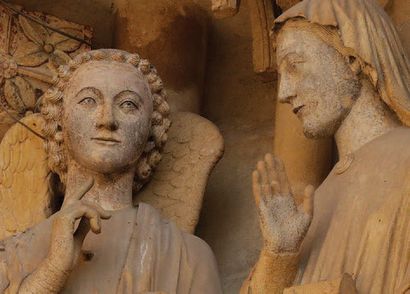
[(283, 224)]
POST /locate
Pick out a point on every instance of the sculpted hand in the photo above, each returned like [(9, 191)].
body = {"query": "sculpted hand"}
[(283, 224), (66, 240)]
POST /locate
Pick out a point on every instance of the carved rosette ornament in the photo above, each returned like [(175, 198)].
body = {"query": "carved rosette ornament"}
[(33, 45)]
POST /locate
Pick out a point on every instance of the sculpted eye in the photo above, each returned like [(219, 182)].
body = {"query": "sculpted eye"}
[(129, 105), (293, 64), (87, 101)]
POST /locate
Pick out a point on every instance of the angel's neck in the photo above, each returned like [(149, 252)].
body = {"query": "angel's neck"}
[(111, 192)]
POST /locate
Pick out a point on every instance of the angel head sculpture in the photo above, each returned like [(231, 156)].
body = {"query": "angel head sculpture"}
[(126, 136), (105, 123), (102, 125)]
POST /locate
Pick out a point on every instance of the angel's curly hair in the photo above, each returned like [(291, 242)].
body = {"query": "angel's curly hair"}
[(52, 111)]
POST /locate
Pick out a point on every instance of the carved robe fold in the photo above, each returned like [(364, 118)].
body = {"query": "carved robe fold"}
[(137, 252), (361, 223)]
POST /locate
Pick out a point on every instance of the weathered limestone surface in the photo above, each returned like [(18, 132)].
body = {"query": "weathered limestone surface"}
[(346, 75), (228, 221), (105, 123), (173, 34), (220, 203), (96, 13), (307, 161), (399, 10), (224, 8), (344, 285), (242, 107), (170, 33)]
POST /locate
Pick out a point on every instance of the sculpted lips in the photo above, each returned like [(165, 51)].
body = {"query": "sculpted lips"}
[(107, 140)]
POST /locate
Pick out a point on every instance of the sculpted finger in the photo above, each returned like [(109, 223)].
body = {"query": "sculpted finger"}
[(84, 211), (283, 178), (308, 200), (77, 195), (256, 187), (94, 219), (272, 174), (104, 214), (95, 224), (84, 189), (265, 185), (82, 231)]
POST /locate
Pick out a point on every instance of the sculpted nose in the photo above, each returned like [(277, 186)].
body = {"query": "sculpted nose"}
[(286, 89), (106, 119)]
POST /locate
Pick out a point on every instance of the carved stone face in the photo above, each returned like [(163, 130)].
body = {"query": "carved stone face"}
[(316, 80), (107, 116)]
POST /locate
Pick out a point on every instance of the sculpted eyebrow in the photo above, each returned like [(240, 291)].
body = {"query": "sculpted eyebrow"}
[(283, 56), (92, 89), (288, 56), (139, 98)]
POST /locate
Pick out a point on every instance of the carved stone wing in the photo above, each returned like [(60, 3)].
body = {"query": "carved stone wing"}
[(25, 199), (193, 148)]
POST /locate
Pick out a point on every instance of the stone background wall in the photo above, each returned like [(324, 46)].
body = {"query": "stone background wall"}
[(243, 108), (233, 97), (173, 36)]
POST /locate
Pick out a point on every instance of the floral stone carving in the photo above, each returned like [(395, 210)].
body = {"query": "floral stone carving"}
[(30, 54), (105, 143)]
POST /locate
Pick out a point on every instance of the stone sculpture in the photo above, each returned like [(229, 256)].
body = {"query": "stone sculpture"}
[(172, 35), (33, 46), (224, 8), (105, 122), (345, 73), (30, 54)]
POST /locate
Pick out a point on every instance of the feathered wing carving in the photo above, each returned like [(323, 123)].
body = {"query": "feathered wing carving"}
[(25, 198), (193, 148)]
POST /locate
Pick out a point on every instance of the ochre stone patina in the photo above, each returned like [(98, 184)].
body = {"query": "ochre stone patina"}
[(105, 126), (114, 165), (345, 74)]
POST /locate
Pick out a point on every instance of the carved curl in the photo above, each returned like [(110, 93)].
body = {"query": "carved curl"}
[(52, 110)]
